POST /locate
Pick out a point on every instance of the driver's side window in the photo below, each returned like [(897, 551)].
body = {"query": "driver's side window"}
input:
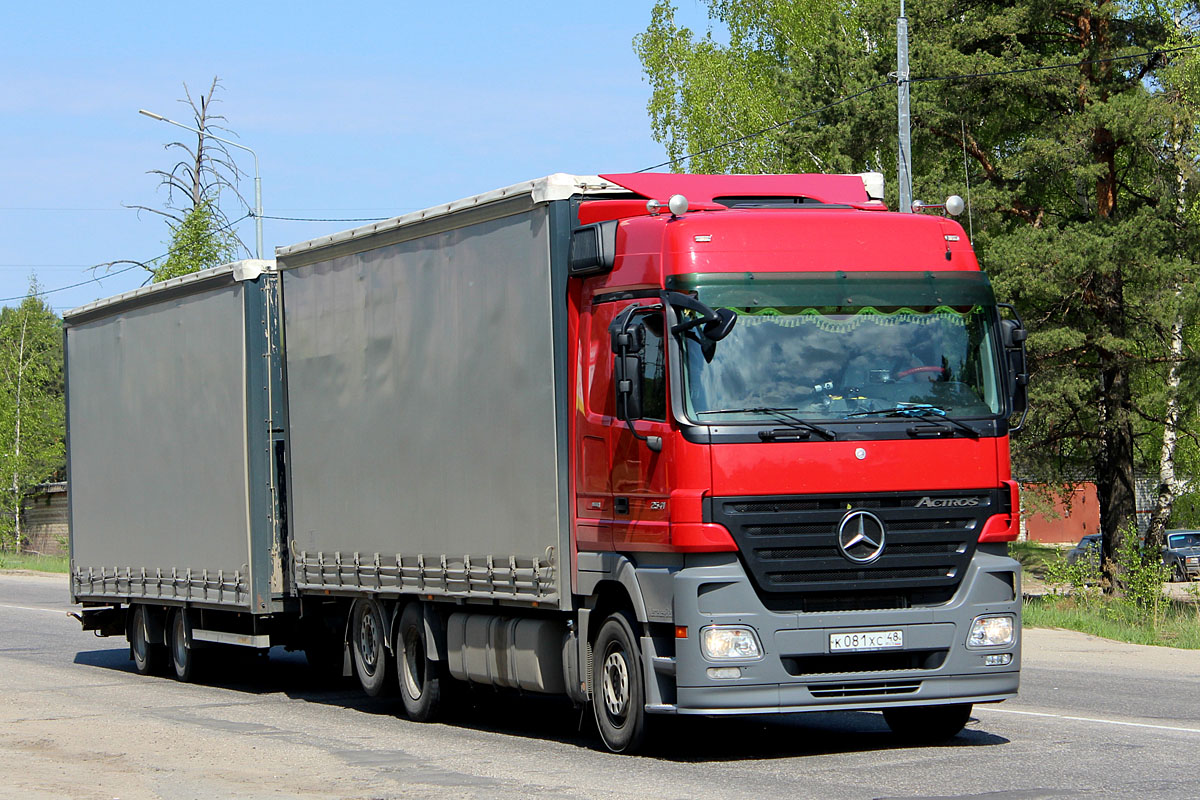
[(654, 367)]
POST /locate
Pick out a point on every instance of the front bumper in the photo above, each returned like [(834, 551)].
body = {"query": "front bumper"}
[(797, 671)]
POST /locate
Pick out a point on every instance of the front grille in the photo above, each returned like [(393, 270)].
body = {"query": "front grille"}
[(789, 546)]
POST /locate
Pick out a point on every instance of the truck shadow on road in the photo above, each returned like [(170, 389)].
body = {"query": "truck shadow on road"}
[(553, 719)]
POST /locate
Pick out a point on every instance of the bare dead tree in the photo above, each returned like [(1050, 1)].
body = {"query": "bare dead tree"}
[(204, 171)]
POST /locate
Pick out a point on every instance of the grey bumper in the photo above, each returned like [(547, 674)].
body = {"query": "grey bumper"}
[(794, 674)]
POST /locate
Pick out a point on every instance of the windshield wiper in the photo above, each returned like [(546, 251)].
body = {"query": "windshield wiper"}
[(781, 414), (921, 411)]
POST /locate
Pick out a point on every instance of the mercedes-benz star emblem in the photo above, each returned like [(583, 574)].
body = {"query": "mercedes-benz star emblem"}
[(861, 536)]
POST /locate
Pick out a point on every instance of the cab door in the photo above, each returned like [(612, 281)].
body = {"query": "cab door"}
[(641, 476)]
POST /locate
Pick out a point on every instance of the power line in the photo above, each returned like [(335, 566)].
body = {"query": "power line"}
[(98, 278)]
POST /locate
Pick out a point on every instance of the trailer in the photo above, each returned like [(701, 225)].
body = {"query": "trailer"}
[(661, 444)]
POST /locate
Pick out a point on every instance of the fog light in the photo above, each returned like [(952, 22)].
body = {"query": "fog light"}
[(724, 673), (997, 660), (720, 643), (991, 631)]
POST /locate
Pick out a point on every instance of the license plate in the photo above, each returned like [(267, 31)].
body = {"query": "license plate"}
[(866, 640)]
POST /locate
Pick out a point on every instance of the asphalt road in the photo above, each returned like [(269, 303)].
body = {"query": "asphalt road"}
[(1095, 719)]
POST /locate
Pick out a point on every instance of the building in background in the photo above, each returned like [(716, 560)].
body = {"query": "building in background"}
[(44, 520)]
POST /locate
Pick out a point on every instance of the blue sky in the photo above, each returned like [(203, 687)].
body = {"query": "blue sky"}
[(355, 110)]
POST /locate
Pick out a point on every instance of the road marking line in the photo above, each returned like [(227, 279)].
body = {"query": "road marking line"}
[(1090, 719), (63, 611)]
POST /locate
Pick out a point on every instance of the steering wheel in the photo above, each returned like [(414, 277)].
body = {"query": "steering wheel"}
[(918, 370)]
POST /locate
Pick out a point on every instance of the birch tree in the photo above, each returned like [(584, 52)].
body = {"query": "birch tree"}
[(32, 428)]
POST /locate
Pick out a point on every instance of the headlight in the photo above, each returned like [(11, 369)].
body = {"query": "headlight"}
[(991, 631), (722, 643), (1193, 560)]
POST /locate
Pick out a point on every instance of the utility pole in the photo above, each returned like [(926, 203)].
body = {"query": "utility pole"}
[(904, 168)]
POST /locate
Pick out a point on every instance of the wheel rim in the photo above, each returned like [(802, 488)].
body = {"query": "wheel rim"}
[(178, 641), (414, 663), (140, 647), (368, 644), (615, 686)]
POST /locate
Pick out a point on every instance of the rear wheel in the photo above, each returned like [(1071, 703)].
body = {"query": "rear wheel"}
[(618, 695), (148, 658), (368, 640), (420, 678), (928, 724), (183, 654)]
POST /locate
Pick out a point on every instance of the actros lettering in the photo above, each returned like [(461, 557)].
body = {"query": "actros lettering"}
[(947, 502)]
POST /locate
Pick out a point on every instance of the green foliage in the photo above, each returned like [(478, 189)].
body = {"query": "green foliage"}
[(705, 92), (1143, 574), (199, 242), (1178, 624), (34, 563), (1082, 581), (32, 428)]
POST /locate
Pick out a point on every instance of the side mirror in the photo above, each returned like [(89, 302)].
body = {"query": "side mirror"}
[(628, 340), (627, 372), (718, 328), (1012, 337)]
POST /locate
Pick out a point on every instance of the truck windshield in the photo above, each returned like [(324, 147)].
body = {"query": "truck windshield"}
[(830, 345)]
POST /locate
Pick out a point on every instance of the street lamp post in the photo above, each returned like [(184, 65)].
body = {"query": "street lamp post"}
[(258, 211)]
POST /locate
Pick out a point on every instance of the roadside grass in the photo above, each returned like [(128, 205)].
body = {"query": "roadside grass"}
[(1177, 625), (1035, 558), (37, 563)]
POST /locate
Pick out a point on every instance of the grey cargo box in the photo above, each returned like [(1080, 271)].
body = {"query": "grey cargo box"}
[(428, 406), (174, 421)]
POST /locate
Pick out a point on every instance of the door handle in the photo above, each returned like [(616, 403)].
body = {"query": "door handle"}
[(621, 505)]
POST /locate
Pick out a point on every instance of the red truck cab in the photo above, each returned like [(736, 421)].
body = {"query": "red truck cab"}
[(791, 433)]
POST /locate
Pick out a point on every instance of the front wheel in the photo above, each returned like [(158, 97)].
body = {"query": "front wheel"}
[(420, 678), (928, 724), (1179, 576), (618, 695)]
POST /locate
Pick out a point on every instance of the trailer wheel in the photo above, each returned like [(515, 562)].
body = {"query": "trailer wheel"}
[(368, 640), (183, 655), (420, 678), (618, 696), (928, 724), (148, 659)]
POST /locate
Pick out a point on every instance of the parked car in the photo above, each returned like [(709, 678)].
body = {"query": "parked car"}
[(1089, 548), (1182, 555)]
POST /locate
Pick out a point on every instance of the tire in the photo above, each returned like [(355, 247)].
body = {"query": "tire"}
[(368, 641), (148, 658), (1178, 575), (420, 679), (928, 724), (184, 663), (618, 694)]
